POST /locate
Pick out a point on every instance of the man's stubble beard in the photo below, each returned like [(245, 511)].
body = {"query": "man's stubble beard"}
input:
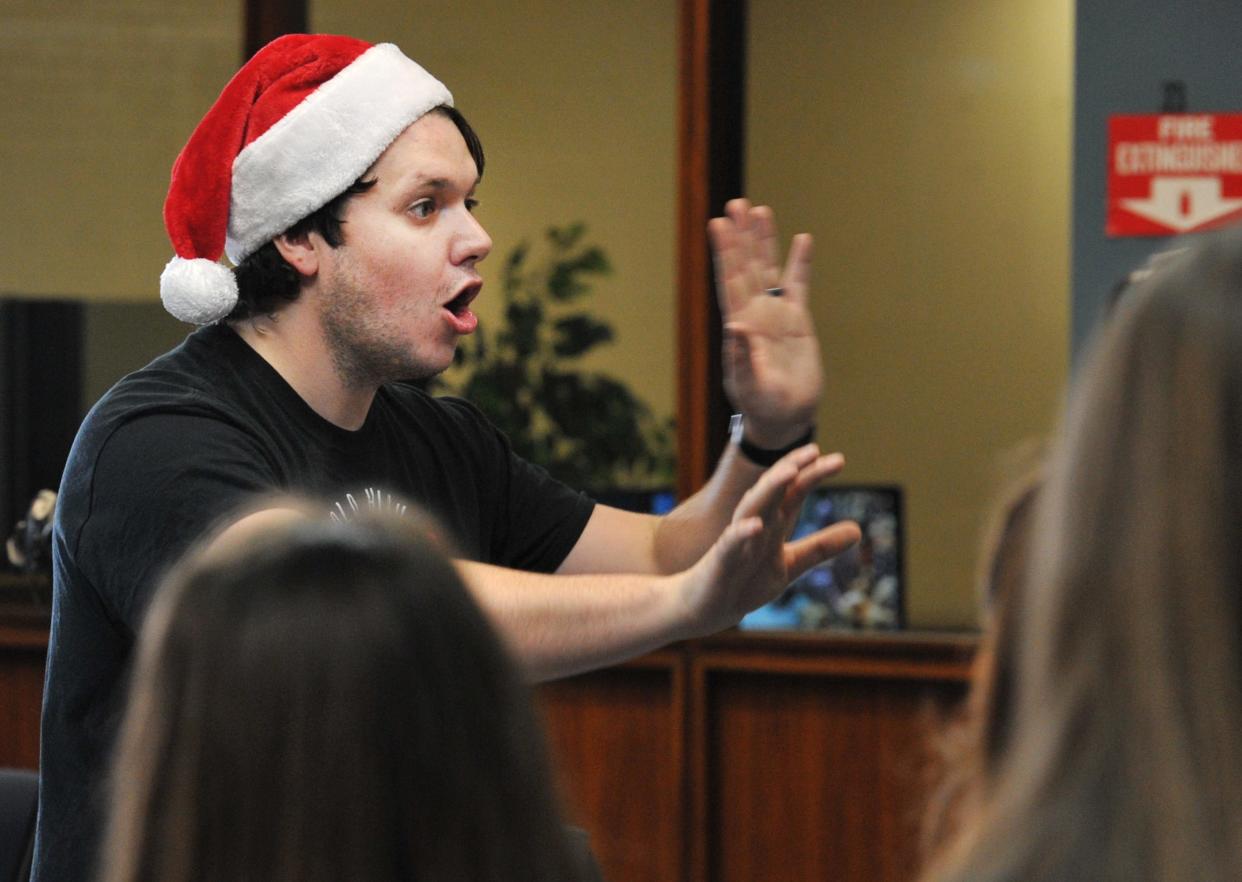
[(365, 352)]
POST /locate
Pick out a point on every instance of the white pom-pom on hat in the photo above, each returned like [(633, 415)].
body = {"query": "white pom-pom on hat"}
[(198, 291)]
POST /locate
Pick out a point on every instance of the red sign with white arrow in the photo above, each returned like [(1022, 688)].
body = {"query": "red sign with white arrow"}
[(1173, 173)]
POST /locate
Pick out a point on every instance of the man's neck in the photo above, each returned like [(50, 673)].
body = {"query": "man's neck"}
[(293, 344)]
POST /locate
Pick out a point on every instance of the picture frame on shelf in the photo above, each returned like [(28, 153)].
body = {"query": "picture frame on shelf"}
[(861, 589)]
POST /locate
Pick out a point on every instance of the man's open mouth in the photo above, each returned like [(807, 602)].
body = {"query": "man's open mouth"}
[(460, 304)]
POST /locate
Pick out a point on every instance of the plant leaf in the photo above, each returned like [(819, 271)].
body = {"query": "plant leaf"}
[(588, 429), (566, 277), (497, 390), (593, 260), (566, 237), (522, 334), (511, 279), (575, 334)]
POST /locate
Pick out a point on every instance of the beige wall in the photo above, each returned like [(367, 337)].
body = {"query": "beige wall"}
[(576, 105), (926, 145), (98, 99)]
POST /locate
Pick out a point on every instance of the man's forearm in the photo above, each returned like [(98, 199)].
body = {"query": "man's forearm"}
[(562, 625), (574, 621)]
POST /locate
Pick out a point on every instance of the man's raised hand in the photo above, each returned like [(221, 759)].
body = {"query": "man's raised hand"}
[(772, 368)]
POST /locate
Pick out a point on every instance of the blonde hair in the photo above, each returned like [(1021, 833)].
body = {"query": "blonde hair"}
[(964, 760), (1124, 761)]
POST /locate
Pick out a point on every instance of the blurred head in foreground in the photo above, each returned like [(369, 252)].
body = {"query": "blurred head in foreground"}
[(1120, 758), (316, 700)]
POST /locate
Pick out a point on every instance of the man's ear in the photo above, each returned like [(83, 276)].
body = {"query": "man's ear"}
[(301, 252)]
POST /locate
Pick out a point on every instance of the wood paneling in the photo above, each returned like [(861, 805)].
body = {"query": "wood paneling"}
[(23, 650), (820, 778), (268, 19), (801, 757), (711, 87), (618, 736)]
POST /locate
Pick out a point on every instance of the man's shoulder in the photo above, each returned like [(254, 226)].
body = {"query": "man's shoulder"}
[(184, 384), (193, 378)]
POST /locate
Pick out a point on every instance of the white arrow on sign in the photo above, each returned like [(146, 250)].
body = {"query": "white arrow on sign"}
[(1183, 204)]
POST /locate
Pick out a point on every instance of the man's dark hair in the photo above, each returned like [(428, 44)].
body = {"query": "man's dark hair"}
[(265, 280)]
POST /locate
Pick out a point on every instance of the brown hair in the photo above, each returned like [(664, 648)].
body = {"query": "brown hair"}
[(325, 701), (1124, 757)]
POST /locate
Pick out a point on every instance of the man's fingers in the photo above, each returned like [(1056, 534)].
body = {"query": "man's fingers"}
[(725, 258), (746, 248), (798, 267), (731, 254), (764, 499), (801, 457), (774, 500), (738, 211), (778, 495), (735, 535), (808, 551), (751, 224), (808, 456), (809, 477), (820, 469), (766, 254), (807, 469)]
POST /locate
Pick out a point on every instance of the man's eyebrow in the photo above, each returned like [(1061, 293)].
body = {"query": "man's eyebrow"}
[(424, 181), (436, 183)]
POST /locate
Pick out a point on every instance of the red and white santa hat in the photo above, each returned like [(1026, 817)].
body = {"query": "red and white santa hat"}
[(299, 123)]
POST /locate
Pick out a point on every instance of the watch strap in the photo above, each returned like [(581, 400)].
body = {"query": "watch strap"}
[(762, 456)]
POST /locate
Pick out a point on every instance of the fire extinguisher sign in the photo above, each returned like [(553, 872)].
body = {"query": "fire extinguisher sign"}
[(1173, 173)]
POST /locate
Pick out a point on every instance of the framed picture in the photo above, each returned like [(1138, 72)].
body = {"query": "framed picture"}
[(861, 588)]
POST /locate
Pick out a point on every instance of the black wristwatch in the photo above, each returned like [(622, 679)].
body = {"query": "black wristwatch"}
[(762, 456)]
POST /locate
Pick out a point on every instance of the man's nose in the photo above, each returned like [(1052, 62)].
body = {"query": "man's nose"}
[(472, 243)]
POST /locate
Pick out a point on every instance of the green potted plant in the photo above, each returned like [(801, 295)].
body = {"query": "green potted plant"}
[(587, 428)]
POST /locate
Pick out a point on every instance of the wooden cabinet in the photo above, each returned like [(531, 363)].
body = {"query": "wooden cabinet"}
[(23, 650), (750, 757)]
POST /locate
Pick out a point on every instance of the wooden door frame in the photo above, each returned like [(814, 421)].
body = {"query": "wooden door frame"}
[(710, 159)]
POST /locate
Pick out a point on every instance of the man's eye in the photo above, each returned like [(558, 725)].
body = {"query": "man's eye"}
[(472, 204), (422, 208)]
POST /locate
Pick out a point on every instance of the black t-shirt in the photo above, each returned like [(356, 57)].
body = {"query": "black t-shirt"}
[(179, 445)]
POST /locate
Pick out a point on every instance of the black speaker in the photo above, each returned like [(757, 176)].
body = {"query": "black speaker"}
[(40, 398)]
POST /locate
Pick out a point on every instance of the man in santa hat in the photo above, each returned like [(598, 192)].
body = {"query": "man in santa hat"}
[(339, 181)]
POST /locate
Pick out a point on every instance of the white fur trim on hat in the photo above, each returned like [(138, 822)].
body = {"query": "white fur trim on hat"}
[(324, 144), (198, 291)]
